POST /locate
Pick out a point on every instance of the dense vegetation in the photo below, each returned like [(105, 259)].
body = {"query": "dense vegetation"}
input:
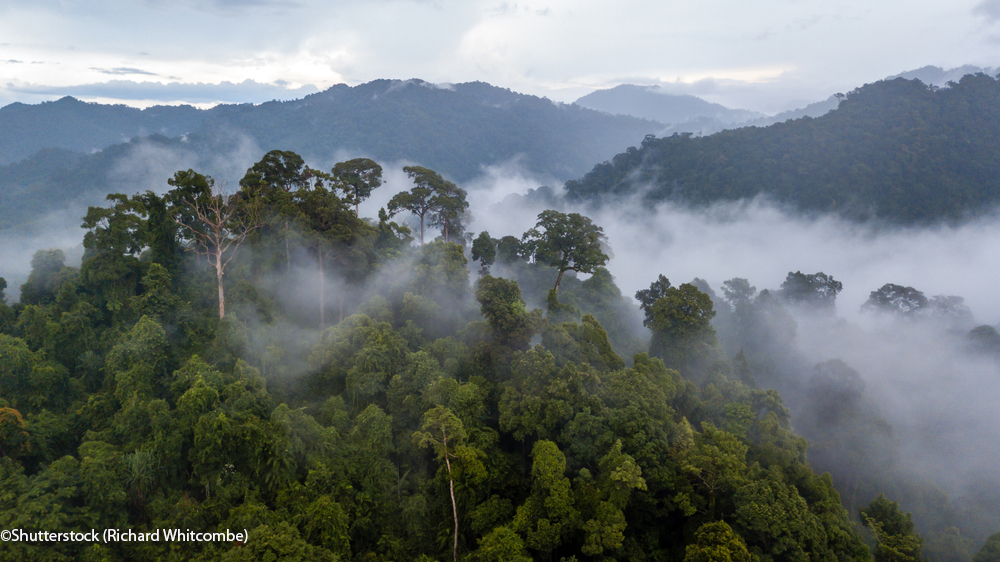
[(896, 150), (83, 127), (408, 414)]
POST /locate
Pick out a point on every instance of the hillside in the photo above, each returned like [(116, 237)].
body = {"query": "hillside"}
[(648, 102), (456, 130), (74, 125), (894, 150)]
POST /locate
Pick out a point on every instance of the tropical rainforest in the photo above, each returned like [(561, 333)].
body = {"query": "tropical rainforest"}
[(348, 388), (897, 151)]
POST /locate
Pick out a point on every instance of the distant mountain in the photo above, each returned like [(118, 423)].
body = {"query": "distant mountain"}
[(649, 102), (456, 130), (937, 76), (85, 127), (812, 110), (895, 150)]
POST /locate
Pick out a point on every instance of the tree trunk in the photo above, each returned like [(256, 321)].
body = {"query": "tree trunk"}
[(559, 280), (451, 485), (218, 276), (421, 230)]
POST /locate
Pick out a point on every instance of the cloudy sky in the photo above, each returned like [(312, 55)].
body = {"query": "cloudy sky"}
[(768, 55)]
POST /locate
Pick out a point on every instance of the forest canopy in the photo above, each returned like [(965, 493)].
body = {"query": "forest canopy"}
[(268, 359)]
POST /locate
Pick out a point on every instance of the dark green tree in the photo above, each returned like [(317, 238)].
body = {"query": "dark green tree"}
[(817, 290), (566, 242), (484, 250), (647, 297), (896, 300), (357, 179)]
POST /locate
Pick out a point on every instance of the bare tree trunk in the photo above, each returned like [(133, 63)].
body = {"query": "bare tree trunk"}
[(451, 485), (421, 230), (558, 280), (218, 276)]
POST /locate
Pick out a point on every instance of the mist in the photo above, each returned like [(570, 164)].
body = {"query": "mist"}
[(920, 377)]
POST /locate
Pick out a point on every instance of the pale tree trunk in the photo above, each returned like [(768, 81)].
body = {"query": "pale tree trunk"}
[(451, 485), (218, 276), (559, 280)]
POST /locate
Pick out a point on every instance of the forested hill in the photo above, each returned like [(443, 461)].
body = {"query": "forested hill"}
[(71, 124), (896, 150), (455, 129)]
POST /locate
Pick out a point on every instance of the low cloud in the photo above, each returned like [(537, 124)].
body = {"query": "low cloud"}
[(123, 70), (989, 9), (247, 91)]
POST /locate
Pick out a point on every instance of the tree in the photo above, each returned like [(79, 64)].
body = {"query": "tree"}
[(893, 529), (426, 197), (484, 250), (990, 551), (330, 229), (217, 224), (440, 421), (357, 178), (566, 242), (738, 292), (14, 438), (818, 290), (509, 249), (896, 300), (647, 297), (500, 302), (716, 542), (681, 325), (450, 209)]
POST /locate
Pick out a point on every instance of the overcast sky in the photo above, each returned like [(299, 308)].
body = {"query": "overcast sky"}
[(768, 55)]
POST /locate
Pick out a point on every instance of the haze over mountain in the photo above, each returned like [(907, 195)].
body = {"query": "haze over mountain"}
[(456, 130), (685, 113), (896, 150), (651, 102)]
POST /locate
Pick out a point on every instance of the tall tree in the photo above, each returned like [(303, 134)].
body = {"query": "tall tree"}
[(896, 300), (357, 178), (484, 250), (566, 242), (439, 423), (420, 200), (818, 290), (221, 222)]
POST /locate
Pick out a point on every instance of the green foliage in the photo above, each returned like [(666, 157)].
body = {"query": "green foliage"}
[(897, 150), (501, 305), (484, 250), (566, 242), (680, 321), (413, 423), (716, 542), (896, 540), (990, 552)]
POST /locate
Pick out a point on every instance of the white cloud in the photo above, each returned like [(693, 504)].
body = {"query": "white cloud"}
[(761, 56)]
